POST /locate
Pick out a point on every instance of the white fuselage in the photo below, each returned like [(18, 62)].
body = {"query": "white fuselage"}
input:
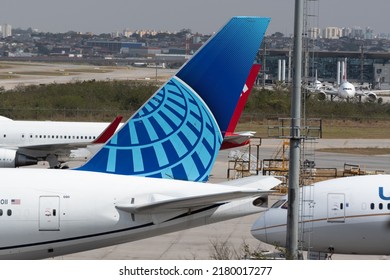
[(46, 213), (26, 142), (28, 133), (346, 90), (347, 215)]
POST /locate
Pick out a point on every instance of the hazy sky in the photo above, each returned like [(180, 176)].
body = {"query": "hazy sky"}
[(205, 16)]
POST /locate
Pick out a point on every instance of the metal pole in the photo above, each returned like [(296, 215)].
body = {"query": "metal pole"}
[(263, 66), (295, 140), (338, 72)]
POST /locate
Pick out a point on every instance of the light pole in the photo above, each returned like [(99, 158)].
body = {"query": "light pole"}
[(295, 138)]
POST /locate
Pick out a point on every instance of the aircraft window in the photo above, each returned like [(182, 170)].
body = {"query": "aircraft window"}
[(31, 136), (372, 206), (341, 206), (94, 137), (380, 206), (9, 212), (1, 212), (44, 136), (77, 137), (22, 135), (5, 135), (278, 203), (81, 137), (388, 206), (65, 137), (52, 136)]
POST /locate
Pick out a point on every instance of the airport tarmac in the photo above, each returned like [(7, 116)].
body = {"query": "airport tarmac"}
[(197, 243)]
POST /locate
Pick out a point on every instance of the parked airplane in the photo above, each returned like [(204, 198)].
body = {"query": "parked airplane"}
[(344, 89), (148, 179), (348, 215), (27, 142)]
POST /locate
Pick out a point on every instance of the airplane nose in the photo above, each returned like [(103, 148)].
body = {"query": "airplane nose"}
[(258, 229), (270, 227)]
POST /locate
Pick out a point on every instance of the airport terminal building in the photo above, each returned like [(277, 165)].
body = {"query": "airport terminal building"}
[(371, 68)]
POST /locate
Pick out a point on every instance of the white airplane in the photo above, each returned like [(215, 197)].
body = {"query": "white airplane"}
[(149, 178), (25, 143), (349, 215), (344, 90)]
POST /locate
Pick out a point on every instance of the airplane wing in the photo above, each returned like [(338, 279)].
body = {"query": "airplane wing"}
[(329, 91), (252, 186), (170, 204), (324, 90), (368, 95)]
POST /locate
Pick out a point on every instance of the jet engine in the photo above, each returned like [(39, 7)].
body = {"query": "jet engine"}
[(11, 158), (371, 96), (321, 95)]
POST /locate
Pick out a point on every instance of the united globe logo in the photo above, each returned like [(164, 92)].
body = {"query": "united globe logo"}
[(173, 136)]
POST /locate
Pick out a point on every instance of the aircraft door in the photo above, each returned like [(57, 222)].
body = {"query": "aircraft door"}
[(49, 213), (336, 208)]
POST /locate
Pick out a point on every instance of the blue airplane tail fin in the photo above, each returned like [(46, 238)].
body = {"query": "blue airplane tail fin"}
[(178, 132)]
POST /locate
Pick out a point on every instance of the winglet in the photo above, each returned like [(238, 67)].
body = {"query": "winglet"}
[(178, 132), (108, 132)]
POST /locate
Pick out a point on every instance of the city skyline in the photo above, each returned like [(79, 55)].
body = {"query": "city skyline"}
[(172, 15)]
